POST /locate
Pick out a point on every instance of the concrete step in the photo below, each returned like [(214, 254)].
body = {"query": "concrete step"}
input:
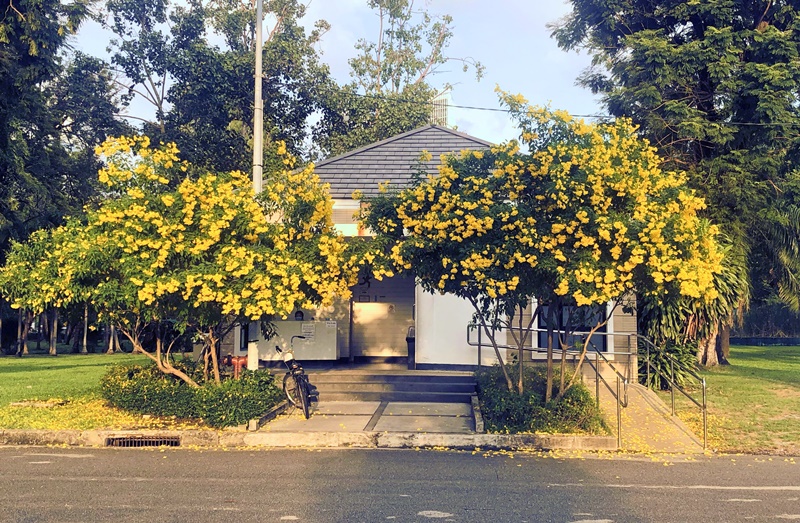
[(416, 397), (395, 386), (416, 387), (339, 377)]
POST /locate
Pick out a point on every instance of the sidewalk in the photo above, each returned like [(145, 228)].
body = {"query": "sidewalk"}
[(368, 416), (374, 424), (647, 427)]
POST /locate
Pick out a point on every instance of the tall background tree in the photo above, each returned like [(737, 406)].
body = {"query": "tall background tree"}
[(202, 93), (47, 130), (392, 78), (55, 106), (714, 85)]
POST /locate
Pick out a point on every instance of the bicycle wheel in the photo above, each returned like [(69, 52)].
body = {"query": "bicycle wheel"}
[(290, 389), (302, 394)]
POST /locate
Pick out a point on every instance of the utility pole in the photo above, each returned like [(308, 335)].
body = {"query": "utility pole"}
[(258, 116), (258, 147)]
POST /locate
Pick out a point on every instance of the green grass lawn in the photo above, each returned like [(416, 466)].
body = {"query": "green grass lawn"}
[(74, 380), (67, 376), (754, 403)]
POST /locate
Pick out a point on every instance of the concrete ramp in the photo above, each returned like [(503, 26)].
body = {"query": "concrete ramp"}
[(647, 424)]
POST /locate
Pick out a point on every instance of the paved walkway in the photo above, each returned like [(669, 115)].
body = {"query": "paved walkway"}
[(647, 426), (378, 416)]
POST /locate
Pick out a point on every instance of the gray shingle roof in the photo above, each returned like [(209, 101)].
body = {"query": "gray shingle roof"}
[(394, 160)]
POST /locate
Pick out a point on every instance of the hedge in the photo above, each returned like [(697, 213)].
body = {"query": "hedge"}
[(146, 390), (507, 411)]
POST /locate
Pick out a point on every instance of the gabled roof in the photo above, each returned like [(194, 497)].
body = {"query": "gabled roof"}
[(394, 159)]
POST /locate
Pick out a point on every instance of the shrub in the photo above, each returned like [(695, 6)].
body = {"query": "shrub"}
[(510, 412), (146, 390), (238, 401), (661, 365)]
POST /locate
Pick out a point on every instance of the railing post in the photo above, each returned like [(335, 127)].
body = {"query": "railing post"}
[(625, 384), (597, 377), (672, 383), (630, 359), (705, 417), (619, 419), (480, 358)]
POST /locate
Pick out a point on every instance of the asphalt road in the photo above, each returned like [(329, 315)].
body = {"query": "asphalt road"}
[(182, 485)]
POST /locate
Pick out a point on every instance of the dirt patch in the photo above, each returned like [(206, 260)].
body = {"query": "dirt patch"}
[(39, 403), (785, 448), (786, 393)]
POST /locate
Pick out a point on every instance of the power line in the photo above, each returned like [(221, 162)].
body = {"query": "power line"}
[(593, 116)]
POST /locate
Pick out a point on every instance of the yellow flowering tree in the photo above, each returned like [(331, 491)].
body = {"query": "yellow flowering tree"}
[(40, 276), (186, 249), (21, 262), (582, 218)]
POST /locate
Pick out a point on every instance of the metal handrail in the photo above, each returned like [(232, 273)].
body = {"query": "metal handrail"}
[(616, 394), (620, 379), (673, 385)]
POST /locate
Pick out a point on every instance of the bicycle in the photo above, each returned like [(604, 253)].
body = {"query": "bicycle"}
[(295, 382)]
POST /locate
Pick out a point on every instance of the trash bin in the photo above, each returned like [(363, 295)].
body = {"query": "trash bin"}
[(412, 349)]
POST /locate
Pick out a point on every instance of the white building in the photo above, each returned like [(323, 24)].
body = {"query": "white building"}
[(374, 323)]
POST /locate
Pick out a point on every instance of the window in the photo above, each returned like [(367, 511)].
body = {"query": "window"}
[(577, 320), (244, 336)]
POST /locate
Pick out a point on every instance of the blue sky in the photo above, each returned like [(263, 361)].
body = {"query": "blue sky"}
[(509, 37)]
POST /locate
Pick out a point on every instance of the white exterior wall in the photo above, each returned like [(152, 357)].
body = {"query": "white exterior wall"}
[(344, 217), (441, 332)]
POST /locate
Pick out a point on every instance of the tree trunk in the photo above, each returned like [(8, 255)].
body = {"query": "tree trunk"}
[(71, 335), (707, 349), (724, 344), (492, 338), (106, 337), (84, 350), (117, 344), (520, 352), (43, 327), (548, 394), (563, 368), (159, 357), (18, 352), (54, 334), (24, 327), (111, 336), (503, 367), (214, 345), (74, 336), (562, 344)]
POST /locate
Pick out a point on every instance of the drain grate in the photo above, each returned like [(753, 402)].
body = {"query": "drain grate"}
[(139, 440)]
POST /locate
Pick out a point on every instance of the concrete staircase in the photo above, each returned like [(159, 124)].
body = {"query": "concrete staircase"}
[(414, 386)]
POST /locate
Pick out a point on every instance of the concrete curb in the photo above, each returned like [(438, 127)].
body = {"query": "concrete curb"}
[(477, 415), (398, 440), (280, 408)]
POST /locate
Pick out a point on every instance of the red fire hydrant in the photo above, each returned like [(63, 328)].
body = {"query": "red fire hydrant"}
[(238, 362)]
